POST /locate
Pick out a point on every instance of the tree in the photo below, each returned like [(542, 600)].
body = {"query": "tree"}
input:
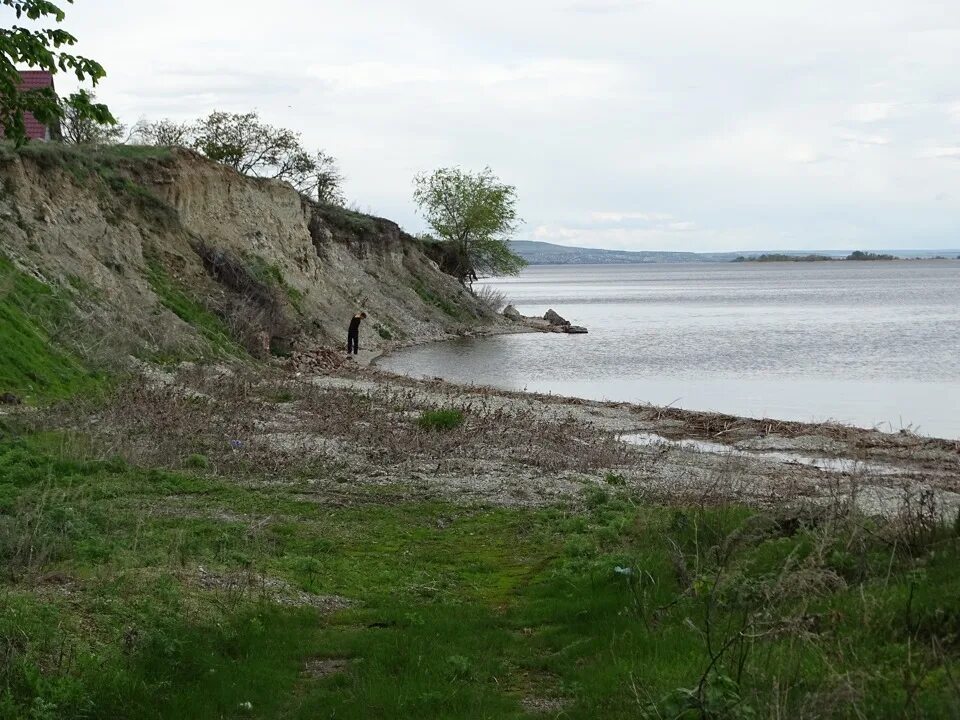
[(252, 147), (164, 133), (323, 180), (82, 128), (473, 214), (42, 48)]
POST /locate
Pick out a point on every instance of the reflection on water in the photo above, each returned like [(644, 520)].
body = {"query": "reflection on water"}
[(863, 343)]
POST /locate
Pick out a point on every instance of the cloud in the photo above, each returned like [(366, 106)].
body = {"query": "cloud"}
[(698, 125), (606, 6), (949, 153), (620, 217)]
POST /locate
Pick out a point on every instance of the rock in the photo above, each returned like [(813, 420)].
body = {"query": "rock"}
[(512, 313), (575, 329), (554, 318), (10, 399)]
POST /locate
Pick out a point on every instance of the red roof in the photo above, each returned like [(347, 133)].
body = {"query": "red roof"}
[(35, 80)]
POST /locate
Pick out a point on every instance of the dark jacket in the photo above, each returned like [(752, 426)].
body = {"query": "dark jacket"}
[(355, 325)]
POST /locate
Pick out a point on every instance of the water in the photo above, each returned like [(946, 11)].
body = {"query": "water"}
[(870, 344)]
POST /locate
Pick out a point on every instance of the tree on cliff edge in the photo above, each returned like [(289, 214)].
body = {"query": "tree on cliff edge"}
[(42, 49), (254, 148), (474, 215)]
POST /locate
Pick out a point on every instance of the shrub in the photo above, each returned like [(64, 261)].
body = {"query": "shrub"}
[(491, 298), (198, 461), (440, 419), (613, 478)]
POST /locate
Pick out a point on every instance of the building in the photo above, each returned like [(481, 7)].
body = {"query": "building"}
[(37, 80)]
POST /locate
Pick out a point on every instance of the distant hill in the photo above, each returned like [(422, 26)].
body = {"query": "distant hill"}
[(542, 253)]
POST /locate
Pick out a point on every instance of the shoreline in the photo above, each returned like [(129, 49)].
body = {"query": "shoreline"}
[(682, 453), (723, 418)]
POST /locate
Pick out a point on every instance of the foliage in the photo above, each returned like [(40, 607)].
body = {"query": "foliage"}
[(474, 214), (42, 48), (163, 133), (252, 147), (80, 127), (861, 255), (445, 419)]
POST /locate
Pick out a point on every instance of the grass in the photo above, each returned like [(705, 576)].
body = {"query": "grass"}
[(431, 298), (612, 610), (349, 221), (33, 363), (104, 164), (210, 327), (445, 419)]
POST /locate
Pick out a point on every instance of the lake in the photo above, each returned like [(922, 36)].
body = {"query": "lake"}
[(873, 344)]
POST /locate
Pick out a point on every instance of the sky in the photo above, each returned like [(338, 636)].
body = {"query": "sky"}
[(687, 125)]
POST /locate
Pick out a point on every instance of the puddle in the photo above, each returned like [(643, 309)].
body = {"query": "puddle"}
[(836, 465)]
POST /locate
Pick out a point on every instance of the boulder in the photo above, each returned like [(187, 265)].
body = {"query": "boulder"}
[(575, 329), (512, 313), (554, 318)]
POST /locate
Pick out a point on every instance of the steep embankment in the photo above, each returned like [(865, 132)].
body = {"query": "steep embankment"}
[(163, 255)]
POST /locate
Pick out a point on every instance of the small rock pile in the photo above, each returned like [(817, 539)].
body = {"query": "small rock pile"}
[(316, 360)]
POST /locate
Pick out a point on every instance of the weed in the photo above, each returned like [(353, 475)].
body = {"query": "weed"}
[(613, 478), (440, 419), (198, 461)]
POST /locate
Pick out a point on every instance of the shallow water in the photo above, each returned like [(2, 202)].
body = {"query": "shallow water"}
[(827, 464), (870, 344)]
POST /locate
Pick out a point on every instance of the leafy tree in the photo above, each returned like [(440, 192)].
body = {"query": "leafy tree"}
[(252, 147), (82, 128), (323, 180), (164, 133), (42, 48), (474, 215)]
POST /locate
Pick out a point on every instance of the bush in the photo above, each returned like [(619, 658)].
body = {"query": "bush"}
[(440, 419), (491, 298), (198, 461)]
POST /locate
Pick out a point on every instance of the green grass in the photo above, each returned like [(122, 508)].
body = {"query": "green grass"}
[(431, 298), (445, 419), (271, 276), (33, 363), (457, 613), (192, 312), (349, 221)]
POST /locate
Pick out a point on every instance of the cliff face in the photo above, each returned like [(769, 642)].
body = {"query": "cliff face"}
[(167, 254)]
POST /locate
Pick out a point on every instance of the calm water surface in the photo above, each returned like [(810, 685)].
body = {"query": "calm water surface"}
[(871, 344)]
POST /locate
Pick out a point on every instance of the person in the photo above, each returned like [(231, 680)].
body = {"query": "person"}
[(353, 333)]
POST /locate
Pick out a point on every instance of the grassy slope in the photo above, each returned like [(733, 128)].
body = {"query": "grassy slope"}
[(30, 363), (459, 613)]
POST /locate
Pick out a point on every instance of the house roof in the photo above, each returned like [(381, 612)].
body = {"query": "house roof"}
[(35, 80)]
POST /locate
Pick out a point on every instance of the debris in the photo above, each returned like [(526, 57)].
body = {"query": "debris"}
[(317, 360)]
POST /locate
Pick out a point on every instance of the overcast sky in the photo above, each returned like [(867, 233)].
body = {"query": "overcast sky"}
[(634, 124)]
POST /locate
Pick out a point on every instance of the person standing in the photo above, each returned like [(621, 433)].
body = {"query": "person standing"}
[(353, 333)]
